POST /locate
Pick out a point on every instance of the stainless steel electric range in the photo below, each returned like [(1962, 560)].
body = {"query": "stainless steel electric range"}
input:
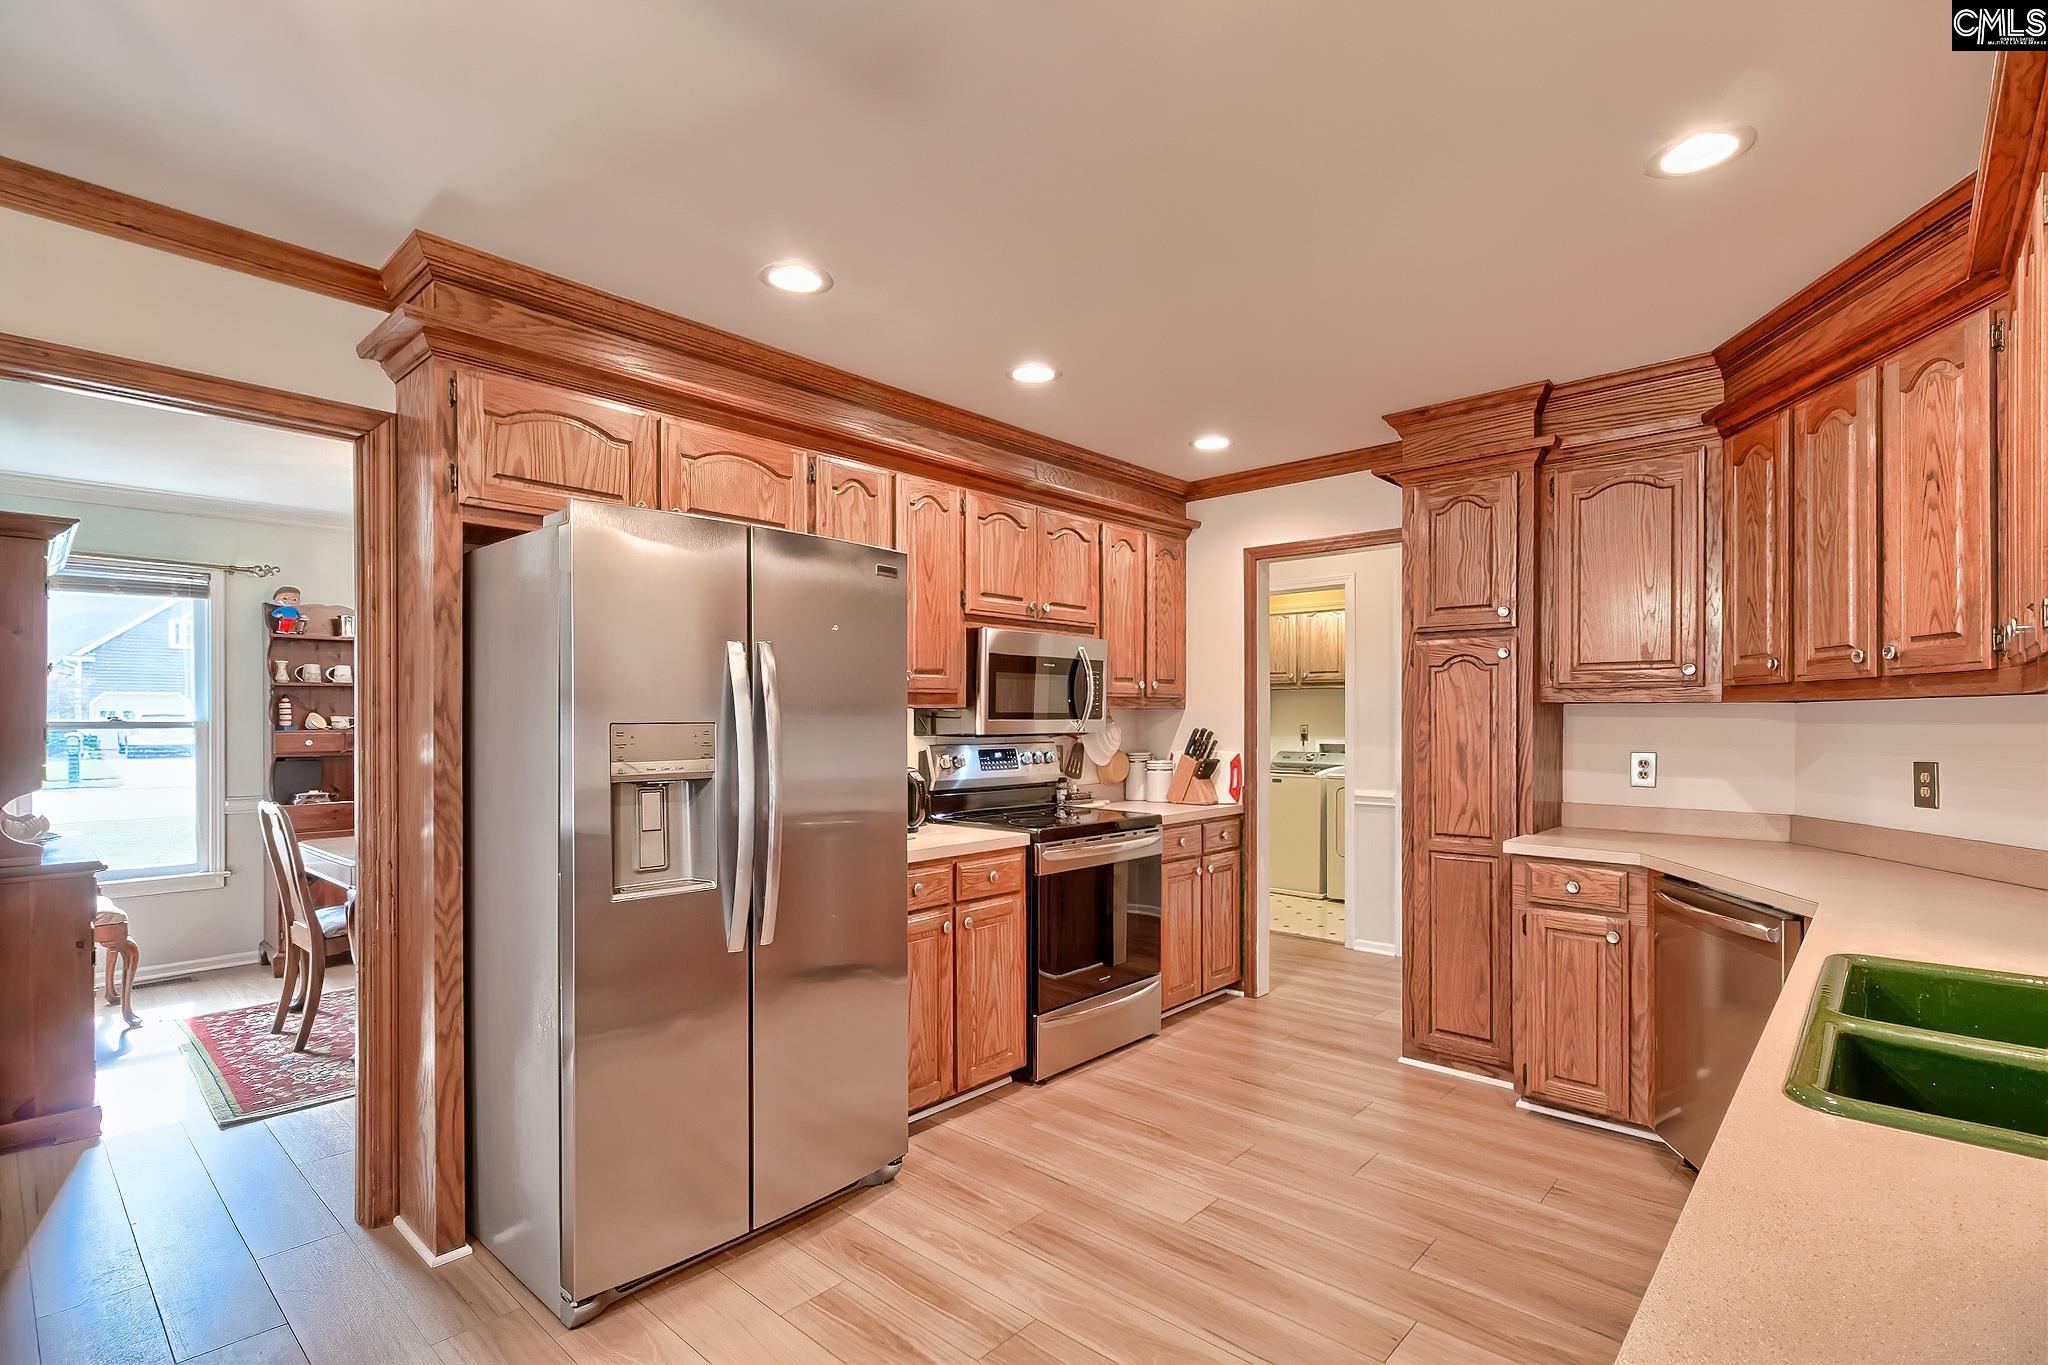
[(1093, 902)]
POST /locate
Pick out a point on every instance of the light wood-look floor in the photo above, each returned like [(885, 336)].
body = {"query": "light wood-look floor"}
[(1261, 1182)]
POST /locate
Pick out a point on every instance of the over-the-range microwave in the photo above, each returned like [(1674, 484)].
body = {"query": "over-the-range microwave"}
[(1030, 682)]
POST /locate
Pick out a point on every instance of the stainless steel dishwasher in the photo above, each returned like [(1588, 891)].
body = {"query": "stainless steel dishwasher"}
[(1721, 961)]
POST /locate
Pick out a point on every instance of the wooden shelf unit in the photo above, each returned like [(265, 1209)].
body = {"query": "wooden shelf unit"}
[(334, 751)]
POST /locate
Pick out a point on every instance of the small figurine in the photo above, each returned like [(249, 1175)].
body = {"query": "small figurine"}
[(285, 616), (285, 714)]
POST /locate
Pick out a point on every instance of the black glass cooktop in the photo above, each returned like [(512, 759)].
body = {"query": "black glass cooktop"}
[(1046, 824)]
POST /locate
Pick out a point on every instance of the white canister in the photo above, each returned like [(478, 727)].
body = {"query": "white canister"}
[(1158, 778), (1134, 780)]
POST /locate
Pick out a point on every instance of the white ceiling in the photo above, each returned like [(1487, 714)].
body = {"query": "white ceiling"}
[(77, 443), (1278, 220)]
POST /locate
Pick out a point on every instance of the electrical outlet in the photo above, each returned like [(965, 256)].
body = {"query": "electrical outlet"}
[(1927, 785), (1642, 770)]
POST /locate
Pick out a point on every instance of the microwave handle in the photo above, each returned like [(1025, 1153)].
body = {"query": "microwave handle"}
[(1088, 675)]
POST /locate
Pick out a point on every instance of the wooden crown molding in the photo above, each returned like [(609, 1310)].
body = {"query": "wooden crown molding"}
[(95, 208), (1364, 460), (423, 260), (112, 376), (2011, 162), (1502, 422), (1665, 398)]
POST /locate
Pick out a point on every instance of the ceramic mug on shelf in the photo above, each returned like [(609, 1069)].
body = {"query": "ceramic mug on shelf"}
[(341, 673), (280, 670), (308, 672), (342, 722)]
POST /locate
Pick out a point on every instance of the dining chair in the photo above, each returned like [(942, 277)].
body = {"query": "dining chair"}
[(309, 929)]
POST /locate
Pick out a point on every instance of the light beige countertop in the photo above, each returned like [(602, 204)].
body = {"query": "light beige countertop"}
[(1809, 1237), (936, 841), (1171, 814)]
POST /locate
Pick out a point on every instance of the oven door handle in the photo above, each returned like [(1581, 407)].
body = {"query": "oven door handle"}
[(1116, 848)]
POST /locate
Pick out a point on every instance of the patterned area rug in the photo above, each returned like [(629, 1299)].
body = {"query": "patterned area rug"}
[(247, 1072)]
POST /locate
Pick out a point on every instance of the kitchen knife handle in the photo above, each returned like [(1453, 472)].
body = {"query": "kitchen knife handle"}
[(771, 732), (739, 906)]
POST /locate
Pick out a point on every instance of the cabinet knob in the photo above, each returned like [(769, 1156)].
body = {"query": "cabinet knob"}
[(1689, 670), (917, 888), (1501, 611), (1501, 653), (1889, 652), (1771, 663), (309, 744), (1613, 937), (991, 874), (946, 927), (641, 503), (1184, 838), (1031, 608), (967, 921), (1048, 608), (1857, 656), (1572, 888)]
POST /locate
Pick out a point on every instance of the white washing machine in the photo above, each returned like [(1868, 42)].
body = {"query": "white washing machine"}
[(1294, 823), (1336, 829)]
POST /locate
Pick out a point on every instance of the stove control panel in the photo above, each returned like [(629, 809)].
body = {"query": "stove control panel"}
[(975, 763)]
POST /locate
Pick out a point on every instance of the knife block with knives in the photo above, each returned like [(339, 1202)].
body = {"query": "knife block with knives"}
[(1192, 783)]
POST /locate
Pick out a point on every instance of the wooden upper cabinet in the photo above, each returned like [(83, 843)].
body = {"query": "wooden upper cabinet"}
[(1319, 649), (990, 990), (1123, 613), (1572, 1025), (524, 446), (1834, 531), (1283, 634), (1166, 619), (1756, 611), (929, 531), (1002, 557), (1627, 572), (931, 1006), (731, 474), (1463, 744), (851, 501), (1464, 533), (1069, 569), (1936, 443), (2022, 492)]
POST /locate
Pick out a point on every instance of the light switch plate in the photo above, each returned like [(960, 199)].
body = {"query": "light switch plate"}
[(1927, 785), (1642, 770)]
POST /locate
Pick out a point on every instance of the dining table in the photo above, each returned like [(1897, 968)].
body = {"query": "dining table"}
[(331, 859)]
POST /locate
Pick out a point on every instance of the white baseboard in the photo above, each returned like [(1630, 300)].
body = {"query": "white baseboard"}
[(1366, 945), (1453, 1071), (1626, 1129), (160, 971), (420, 1248)]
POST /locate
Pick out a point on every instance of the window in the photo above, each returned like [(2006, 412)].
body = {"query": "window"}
[(132, 758)]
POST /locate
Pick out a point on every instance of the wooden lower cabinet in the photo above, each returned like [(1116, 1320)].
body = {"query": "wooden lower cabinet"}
[(967, 975), (1181, 921), (1201, 911), (1222, 934), (1582, 957)]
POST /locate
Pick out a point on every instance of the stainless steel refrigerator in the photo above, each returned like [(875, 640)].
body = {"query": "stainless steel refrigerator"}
[(687, 1008)]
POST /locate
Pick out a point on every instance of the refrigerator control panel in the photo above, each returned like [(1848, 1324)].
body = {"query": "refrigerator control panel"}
[(663, 751)]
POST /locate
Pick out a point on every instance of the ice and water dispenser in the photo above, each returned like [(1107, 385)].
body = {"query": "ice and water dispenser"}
[(664, 830)]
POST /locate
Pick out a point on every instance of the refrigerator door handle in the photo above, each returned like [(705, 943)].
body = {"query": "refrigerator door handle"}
[(771, 731), (740, 905)]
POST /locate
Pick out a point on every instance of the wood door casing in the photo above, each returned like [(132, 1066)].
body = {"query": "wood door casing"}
[(1069, 569), (1319, 649), (1936, 448), (1466, 538), (853, 501), (1572, 1024), (1756, 601), (731, 474), (931, 1006), (1181, 917), (1123, 613), (1002, 557), (989, 994), (1222, 935), (1627, 571), (1283, 635), (524, 446), (2022, 463), (930, 532), (1835, 530), (1166, 619)]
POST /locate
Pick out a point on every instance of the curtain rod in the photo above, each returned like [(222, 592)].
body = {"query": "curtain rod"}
[(252, 570)]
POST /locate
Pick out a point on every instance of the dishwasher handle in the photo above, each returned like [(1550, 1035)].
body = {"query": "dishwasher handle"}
[(1769, 933)]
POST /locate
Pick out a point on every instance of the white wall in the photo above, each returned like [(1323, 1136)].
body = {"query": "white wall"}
[(1321, 709), (1849, 761), (202, 927)]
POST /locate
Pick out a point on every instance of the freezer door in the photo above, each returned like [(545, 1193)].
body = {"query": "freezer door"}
[(654, 1004), (831, 1012)]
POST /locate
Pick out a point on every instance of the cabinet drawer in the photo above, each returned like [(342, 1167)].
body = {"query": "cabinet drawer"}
[(1581, 885), (290, 742), (930, 884), (1182, 841), (1220, 834), (993, 874)]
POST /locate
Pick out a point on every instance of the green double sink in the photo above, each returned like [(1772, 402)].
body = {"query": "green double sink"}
[(1955, 1052)]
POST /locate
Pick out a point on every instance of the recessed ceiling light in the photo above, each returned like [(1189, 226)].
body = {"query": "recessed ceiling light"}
[(1701, 151), (1034, 372), (1211, 442), (794, 277)]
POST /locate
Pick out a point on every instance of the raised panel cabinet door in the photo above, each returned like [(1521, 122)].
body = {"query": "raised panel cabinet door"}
[(1222, 934), (1069, 569), (1756, 604), (989, 995), (731, 474), (1466, 539), (851, 501), (929, 530), (1002, 557), (1455, 986), (1572, 1035), (524, 446), (1283, 633), (1936, 446), (1320, 647), (1627, 571), (1123, 613), (1181, 915), (1166, 619), (1834, 531), (1464, 743), (931, 1006)]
